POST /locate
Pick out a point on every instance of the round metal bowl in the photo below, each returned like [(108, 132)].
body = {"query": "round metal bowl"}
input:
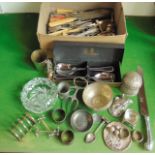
[(97, 96), (58, 115), (67, 137), (81, 120), (137, 136)]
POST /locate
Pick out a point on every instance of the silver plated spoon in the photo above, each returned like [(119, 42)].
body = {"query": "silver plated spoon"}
[(104, 76), (67, 69), (91, 136)]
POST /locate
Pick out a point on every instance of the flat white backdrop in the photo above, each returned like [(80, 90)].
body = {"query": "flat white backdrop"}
[(130, 8)]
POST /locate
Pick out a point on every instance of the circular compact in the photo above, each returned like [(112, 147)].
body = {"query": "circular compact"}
[(81, 120), (98, 96), (39, 95), (117, 136)]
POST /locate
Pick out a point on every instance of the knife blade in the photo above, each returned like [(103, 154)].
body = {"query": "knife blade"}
[(145, 113)]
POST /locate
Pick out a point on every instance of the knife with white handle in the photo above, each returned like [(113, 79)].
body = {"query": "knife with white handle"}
[(144, 112)]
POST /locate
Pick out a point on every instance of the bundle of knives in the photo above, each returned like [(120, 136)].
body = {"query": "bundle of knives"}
[(93, 22)]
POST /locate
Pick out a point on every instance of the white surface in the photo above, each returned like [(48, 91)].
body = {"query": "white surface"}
[(130, 8), (139, 8), (19, 7)]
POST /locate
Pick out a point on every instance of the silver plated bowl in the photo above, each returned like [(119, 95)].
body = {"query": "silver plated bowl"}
[(98, 96), (81, 120)]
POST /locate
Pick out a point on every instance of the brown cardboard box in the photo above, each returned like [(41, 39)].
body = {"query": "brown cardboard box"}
[(46, 40)]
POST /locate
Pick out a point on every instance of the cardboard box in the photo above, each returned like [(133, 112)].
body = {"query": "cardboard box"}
[(46, 40)]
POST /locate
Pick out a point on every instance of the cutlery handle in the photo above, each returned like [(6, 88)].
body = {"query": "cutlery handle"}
[(108, 69), (149, 142), (98, 128)]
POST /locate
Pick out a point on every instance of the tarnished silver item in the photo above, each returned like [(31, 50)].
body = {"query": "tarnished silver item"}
[(91, 136), (67, 69), (117, 136), (149, 144), (107, 69), (98, 96), (89, 32), (71, 25), (59, 24), (137, 136), (50, 132), (41, 120), (66, 137), (22, 123), (50, 70), (123, 133), (101, 73), (59, 115), (96, 117), (103, 76), (42, 62), (81, 120), (23, 126), (119, 105), (38, 58), (131, 83), (39, 132), (68, 94), (131, 117), (64, 91)]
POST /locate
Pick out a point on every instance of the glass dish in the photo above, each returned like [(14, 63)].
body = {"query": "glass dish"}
[(39, 95)]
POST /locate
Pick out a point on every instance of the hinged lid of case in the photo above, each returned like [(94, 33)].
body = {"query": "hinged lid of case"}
[(92, 53)]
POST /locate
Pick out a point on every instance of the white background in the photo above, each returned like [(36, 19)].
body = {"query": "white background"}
[(130, 8)]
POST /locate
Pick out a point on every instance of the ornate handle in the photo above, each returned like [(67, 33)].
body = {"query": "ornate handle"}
[(149, 142), (50, 71)]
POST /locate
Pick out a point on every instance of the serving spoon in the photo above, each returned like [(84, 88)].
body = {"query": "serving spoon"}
[(104, 76), (67, 69)]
